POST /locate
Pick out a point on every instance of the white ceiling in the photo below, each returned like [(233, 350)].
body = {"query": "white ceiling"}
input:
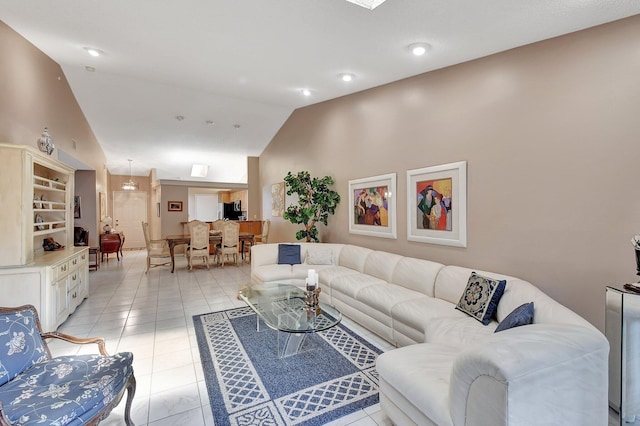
[(244, 62)]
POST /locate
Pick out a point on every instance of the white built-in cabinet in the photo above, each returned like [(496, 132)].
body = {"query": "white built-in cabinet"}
[(36, 198)]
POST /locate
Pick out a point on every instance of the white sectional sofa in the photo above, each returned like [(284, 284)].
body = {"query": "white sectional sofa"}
[(449, 368)]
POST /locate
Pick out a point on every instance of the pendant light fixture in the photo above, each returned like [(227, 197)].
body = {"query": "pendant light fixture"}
[(130, 185)]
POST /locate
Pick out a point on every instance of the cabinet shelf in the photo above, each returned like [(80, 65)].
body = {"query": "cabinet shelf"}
[(49, 229), (48, 184), (49, 206)]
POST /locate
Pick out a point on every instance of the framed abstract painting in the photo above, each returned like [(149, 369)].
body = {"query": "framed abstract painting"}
[(437, 204), (372, 206)]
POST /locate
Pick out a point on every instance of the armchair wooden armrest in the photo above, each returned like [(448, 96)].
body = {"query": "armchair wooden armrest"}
[(77, 340)]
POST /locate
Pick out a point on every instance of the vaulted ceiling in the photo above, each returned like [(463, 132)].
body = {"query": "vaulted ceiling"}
[(211, 82)]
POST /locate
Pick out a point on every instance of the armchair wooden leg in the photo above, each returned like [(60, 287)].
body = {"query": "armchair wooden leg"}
[(131, 391)]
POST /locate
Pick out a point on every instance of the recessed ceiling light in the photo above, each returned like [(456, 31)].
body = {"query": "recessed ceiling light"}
[(236, 126), (347, 76), (210, 122), (306, 92), (179, 117), (90, 69), (93, 52), (419, 49)]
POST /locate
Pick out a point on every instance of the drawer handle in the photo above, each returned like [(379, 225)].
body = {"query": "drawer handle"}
[(75, 277), (75, 261), (63, 268)]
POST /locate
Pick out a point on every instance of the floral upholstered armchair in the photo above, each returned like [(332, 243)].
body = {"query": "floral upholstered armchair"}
[(67, 390)]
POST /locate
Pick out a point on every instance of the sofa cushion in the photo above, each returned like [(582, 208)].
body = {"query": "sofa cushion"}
[(383, 297), (522, 315), (416, 314), (381, 264), (271, 273), (420, 373), (416, 274), (330, 273), (460, 332), (452, 280), (354, 257), (319, 256), (288, 254), (21, 344), (352, 284), (67, 389), (480, 298)]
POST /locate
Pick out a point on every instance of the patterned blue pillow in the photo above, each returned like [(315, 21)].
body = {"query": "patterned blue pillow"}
[(20, 344), (480, 298), (289, 254), (522, 315)]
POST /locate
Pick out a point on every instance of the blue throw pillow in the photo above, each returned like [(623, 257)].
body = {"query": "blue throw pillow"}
[(522, 315), (289, 254), (20, 343), (481, 296)]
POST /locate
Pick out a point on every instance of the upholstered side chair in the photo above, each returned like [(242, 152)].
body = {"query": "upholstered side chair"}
[(264, 236), (158, 253), (199, 245), (230, 241), (36, 388)]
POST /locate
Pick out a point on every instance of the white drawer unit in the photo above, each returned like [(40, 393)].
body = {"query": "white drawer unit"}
[(55, 284)]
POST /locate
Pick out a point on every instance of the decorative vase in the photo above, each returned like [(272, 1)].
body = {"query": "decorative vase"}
[(637, 262)]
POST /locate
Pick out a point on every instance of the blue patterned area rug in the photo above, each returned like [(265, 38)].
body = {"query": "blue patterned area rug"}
[(248, 384)]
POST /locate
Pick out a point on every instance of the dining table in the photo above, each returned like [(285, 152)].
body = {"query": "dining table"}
[(214, 238)]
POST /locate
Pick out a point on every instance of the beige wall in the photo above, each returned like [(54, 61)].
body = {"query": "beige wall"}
[(551, 135), (34, 93)]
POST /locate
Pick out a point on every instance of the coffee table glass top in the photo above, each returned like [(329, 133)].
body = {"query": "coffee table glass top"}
[(283, 308)]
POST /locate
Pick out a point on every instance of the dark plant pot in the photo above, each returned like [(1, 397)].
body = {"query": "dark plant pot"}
[(637, 262)]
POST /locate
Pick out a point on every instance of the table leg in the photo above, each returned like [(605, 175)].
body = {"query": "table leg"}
[(173, 260)]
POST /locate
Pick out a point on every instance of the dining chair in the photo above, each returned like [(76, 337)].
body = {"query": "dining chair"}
[(264, 236), (199, 245), (230, 241), (157, 250)]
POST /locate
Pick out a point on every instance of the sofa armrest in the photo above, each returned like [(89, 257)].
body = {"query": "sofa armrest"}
[(77, 340), (544, 372)]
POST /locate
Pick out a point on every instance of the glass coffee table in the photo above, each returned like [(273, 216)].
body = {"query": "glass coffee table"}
[(282, 307)]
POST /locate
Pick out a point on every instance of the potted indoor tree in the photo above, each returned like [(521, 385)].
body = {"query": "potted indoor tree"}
[(316, 201)]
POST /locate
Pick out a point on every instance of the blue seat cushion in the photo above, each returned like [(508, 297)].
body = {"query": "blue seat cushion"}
[(67, 390)]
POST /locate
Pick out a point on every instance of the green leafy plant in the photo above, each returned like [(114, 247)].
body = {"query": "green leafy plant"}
[(316, 201)]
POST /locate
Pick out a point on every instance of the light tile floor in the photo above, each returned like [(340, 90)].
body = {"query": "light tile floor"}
[(151, 316)]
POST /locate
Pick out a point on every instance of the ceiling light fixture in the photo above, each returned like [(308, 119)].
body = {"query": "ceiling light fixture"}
[(130, 185), (347, 76), (93, 52), (306, 92), (179, 117), (210, 122), (199, 170), (419, 49), (90, 69), (367, 4)]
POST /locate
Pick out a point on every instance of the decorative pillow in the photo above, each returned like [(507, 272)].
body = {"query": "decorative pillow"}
[(288, 254), (522, 315), (320, 257), (481, 296), (20, 344)]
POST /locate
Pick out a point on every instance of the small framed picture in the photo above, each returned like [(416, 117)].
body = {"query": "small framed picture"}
[(175, 206)]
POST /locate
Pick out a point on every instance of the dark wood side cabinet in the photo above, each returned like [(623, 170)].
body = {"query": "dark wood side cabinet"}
[(111, 243)]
